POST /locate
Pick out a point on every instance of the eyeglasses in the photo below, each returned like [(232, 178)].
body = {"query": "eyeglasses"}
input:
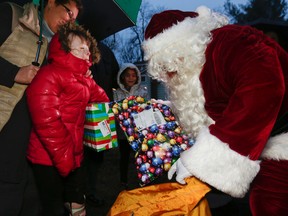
[(68, 11), (81, 50)]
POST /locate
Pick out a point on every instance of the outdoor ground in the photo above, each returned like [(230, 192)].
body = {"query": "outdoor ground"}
[(108, 182), (108, 188)]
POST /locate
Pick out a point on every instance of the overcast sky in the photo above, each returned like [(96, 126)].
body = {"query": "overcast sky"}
[(190, 5)]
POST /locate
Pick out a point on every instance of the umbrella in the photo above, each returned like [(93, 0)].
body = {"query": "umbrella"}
[(106, 17), (278, 27)]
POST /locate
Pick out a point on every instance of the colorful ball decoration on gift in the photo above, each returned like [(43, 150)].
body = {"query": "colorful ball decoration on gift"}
[(157, 146)]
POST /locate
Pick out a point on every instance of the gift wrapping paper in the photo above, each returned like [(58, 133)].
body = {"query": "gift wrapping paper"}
[(153, 133), (100, 129)]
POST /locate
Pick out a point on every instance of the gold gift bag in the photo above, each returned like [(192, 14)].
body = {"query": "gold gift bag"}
[(167, 199)]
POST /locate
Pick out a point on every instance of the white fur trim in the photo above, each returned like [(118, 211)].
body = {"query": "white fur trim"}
[(276, 148), (182, 30), (168, 38), (215, 163)]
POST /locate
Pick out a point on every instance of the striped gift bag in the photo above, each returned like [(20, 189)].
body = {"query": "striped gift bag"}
[(100, 129)]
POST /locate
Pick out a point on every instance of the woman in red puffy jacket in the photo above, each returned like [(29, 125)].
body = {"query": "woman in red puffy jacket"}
[(57, 98)]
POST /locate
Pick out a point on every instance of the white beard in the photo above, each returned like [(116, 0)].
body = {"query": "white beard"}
[(186, 95)]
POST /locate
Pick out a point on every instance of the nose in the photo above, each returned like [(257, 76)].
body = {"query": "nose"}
[(171, 74), (67, 19), (87, 53)]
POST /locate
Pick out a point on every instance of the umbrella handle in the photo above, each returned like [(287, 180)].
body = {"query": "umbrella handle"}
[(39, 42), (35, 62)]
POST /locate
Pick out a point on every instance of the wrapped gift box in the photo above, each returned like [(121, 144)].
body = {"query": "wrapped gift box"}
[(99, 129), (153, 133)]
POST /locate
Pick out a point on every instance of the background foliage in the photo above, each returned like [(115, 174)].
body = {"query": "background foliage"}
[(127, 44)]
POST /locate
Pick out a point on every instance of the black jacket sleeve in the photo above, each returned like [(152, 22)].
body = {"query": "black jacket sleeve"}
[(8, 71)]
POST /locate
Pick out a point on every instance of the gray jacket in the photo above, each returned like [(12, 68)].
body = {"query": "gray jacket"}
[(137, 89), (121, 93)]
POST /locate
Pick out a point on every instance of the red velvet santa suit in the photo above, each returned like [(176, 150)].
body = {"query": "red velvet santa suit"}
[(228, 86)]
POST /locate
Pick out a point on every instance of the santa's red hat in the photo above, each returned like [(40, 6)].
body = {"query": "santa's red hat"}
[(165, 20), (170, 26)]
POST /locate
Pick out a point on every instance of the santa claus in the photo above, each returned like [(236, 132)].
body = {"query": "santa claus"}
[(227, 84)]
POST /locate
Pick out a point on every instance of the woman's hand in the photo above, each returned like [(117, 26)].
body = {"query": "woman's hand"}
[(26, 74), (89, 74)]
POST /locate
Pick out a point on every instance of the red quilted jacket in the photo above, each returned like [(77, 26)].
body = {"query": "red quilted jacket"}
[(57, 98)]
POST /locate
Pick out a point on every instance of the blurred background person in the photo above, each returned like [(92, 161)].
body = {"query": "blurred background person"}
[(105, 74)]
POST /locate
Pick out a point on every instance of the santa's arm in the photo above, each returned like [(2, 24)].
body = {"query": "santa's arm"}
[(215, 163)]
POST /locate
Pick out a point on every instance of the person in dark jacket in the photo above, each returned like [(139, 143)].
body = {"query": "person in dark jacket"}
[(18, 195), (105, 74), (57, 99)]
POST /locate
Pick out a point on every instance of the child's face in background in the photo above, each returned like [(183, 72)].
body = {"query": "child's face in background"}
[(130, 78), (79, 48)]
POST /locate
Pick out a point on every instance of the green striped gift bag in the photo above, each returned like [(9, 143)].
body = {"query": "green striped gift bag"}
[(100, 129)]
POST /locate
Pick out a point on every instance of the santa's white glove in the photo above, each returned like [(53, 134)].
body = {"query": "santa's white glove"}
[(181, 172), (165, 102)]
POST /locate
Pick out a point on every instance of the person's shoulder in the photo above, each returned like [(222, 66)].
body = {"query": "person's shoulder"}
[(143, 87), (117, 89), (237, 37), (6, 8), (6, 5), (6, 19), (5, 11), (49, 72), (107, 53)]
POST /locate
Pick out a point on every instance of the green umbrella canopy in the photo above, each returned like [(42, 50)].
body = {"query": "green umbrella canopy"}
[(106, 17), (130, 8), (36, 2)]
